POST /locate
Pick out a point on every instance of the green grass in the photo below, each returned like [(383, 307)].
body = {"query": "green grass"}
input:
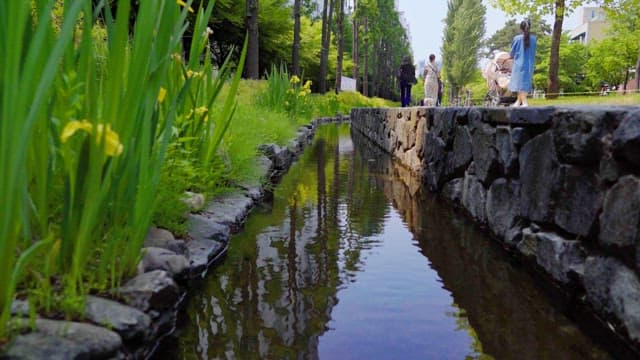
[(611, 99)]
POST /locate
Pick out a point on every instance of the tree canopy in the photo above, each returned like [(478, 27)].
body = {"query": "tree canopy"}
[(463, 33)]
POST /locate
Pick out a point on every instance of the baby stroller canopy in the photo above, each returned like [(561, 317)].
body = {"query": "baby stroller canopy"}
[(497, 73)]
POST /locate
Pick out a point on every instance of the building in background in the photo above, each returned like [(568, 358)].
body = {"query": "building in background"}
[(593, 26)]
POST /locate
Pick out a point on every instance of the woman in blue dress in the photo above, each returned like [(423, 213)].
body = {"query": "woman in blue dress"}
[(523, 52)]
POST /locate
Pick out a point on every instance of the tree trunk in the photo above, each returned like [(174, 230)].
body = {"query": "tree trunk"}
[(355, 44), (326, 42), (553, 85), (340, 46), (295, 54), (638, 71), (252, 66), (365, 60)]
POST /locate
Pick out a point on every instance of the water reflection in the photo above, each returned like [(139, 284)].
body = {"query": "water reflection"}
[(412, 280)]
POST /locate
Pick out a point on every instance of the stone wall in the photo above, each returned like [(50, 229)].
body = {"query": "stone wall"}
[(558, 186)]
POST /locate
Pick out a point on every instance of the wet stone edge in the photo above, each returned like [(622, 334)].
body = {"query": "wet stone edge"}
[(131, 323)]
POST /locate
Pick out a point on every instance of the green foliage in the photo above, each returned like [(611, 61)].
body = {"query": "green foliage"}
[(611, 59), (464, 30), (287, 93), (538, 7), (94, 107), (502, 38)]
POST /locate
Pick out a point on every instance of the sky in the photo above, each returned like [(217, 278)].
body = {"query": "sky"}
[(426, 24)]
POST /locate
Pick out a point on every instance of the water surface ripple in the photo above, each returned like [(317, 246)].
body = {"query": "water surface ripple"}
[(351, 261)]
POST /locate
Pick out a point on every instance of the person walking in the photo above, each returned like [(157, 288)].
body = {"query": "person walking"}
[(407, 77), (523, 53), (431, 82)]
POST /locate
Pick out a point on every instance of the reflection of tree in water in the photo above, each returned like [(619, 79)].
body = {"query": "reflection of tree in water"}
[(273, 295)]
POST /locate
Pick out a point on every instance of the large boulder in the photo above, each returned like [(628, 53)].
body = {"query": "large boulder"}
[(578, 200), (614, 289), (503, 205), (539, 170), (620, 218)]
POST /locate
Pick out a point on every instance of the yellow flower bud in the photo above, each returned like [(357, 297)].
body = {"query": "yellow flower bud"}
[(162, 93), (183, 4)]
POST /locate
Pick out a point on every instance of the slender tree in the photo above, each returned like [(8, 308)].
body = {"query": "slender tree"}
[(365, 60), (252, 67), (463, 33), (559, 9), (295, 55), (340, 36), (327, 10), (354, 47)]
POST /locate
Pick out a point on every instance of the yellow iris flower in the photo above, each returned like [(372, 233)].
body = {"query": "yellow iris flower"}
[(112, 147)]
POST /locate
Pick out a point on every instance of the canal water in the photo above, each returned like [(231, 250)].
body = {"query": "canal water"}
[(352, 261)]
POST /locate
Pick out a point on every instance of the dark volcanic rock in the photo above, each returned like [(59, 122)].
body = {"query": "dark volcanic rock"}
[(202, 253), (453, 190), (162, 259), (203, 228), (485, 153), (65, 340), (620, 218), (474, 197), (579, 200), (503, 199), (539, 169), (127, 321), (462, 150), (613, 288), (162, 238), (626, 138), (507, 152), (229, 209), (531, 116), (559, 256), (154, 290), (577, 135)]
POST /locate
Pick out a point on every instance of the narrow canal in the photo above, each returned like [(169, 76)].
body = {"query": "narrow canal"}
[(351, 261)]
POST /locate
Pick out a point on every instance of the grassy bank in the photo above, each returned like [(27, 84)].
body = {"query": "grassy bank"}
[(611, 99), (105, 126)]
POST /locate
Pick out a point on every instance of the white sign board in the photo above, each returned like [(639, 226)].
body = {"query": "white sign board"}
[(347, 84)]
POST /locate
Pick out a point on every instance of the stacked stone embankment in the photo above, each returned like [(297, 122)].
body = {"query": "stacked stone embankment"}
[(559, 186)]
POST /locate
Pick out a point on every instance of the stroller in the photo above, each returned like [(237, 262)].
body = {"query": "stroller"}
[(498, 74)]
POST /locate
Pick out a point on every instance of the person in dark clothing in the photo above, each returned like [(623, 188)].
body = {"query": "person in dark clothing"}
[(406, 77)]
